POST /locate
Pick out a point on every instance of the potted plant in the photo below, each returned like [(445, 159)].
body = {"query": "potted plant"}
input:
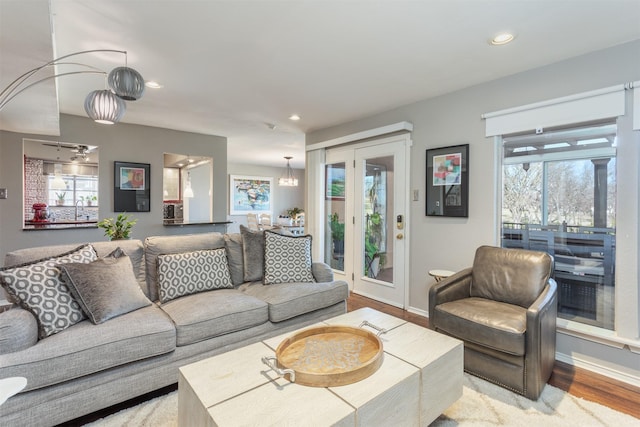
[(60, 200), (90, 200), (118, 229), (372, 242), (293, 213), (337, 233)]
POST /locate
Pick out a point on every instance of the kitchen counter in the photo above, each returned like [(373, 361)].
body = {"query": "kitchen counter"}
[(59, 225)]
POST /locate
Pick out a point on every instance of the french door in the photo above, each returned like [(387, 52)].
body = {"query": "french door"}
[(366, 225)]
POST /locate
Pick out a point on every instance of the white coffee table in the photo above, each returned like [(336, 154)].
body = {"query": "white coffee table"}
[(420, 377)]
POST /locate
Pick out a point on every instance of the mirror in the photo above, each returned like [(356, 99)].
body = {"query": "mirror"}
[(60, 185), (187, 183)]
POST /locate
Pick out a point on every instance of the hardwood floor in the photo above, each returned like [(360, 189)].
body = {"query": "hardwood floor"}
[(576, 381)]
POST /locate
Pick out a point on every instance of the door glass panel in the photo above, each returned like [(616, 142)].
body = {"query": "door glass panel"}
[(378, 214), (335, 222)]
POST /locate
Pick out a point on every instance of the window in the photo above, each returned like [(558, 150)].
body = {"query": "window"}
[(559, 196), (82, 189)]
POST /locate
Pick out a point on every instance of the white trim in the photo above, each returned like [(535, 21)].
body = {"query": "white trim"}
[(599, 369), (418, 311), (314, 203), (597, 335), (561, 155), (371, 133), (636, 104), (583, 107)]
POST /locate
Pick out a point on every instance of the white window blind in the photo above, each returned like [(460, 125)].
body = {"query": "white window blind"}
[(584, 107)]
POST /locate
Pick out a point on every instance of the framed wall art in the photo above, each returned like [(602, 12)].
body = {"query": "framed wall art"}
[(132, 189), (250, 194), (448, 181)]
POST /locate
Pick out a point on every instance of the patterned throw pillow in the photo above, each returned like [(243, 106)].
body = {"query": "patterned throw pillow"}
[(192, 272), (37, 287), (105, 288), (287, 258)]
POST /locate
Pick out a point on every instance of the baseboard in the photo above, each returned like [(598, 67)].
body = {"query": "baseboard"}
[(599, 369), (418, 311), (377, 298)]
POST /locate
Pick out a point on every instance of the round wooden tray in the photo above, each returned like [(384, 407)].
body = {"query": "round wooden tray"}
[(327, 356)]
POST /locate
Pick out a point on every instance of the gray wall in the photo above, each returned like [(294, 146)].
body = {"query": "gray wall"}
[(455, 118), (123, 142), (283, 197)]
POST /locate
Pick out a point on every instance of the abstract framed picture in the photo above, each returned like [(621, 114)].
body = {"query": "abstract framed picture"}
[(447, 186), (132, 190), (250, 194)]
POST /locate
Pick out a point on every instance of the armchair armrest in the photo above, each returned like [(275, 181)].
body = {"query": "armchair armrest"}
[(541, 339), (452, 288), (322, 272)]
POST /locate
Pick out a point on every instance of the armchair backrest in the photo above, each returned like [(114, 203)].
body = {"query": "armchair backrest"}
[(514, 276)]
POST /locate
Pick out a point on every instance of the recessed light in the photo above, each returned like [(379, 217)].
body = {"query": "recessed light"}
[(502, 38), (294, 117), (153, 84)]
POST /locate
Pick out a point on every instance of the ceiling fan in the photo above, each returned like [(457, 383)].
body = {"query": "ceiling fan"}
[(81, 151)]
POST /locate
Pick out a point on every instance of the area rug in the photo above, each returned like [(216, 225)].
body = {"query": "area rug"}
[(482, 404)]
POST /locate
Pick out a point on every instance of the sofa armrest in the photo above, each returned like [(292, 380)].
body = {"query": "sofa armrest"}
[(541, 339), (18, 330), (322, 272), (452, 288)]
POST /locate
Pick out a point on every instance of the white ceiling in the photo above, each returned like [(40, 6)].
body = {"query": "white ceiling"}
[(231, 68)]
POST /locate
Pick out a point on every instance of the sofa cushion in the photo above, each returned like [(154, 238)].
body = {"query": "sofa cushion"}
[(37, 287), (210, 314), (192, 272), (287, 300), (287, 259), (235, 257), (493, 324), (104, 288), (18, 330), (86, 348), (133, 248), (158, 245)]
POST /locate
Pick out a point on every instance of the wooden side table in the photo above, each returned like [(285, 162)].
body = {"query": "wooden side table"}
[(441, 274)]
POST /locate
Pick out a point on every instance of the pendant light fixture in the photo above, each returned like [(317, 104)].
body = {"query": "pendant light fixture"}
[(103, 106), (288, 179), (126, 82), (188, 191), (58, 183)]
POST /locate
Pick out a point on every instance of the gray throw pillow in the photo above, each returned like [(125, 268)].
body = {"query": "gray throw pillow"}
[(287, 259), (105, 288), (37, 287), (253, 254), (235, 257), (192, 272)]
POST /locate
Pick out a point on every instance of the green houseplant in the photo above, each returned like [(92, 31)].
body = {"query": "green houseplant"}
[(337, 233), (60, 197), (118, 229)]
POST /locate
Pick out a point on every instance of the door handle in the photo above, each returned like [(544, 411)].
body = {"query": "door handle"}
[(399, 236)]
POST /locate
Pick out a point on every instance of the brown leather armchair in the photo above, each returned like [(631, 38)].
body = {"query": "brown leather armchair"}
[(504, 309)]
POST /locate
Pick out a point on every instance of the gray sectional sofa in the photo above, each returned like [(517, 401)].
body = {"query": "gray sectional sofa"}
[(88, 366)]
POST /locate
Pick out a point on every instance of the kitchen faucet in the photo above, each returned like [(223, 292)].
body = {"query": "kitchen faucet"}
[(81, 204)]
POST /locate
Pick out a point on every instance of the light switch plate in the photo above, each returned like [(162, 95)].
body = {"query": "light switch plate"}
[(3, 193)]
